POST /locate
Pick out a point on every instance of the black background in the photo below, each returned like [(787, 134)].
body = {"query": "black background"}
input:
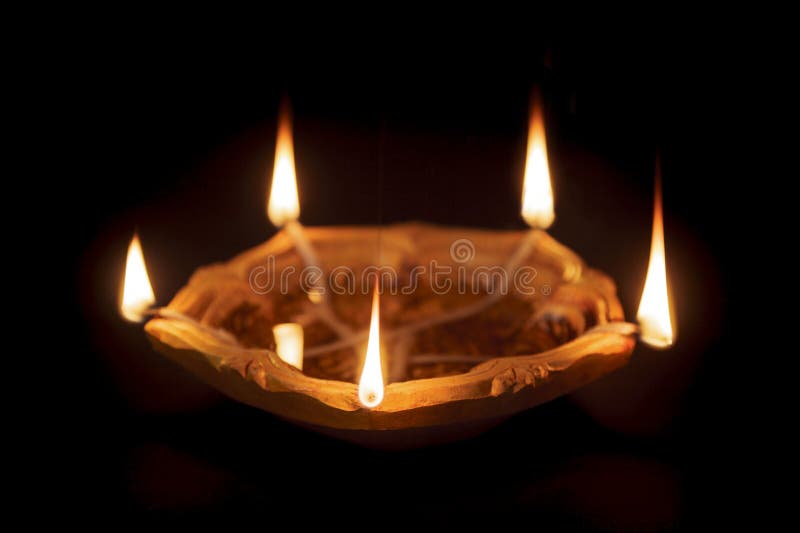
[(176, 138)]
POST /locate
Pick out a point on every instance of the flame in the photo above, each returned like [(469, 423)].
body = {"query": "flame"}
[(654, 309), (289, 343), (537, 191), (283, 205), (370, 386), (137, 293)]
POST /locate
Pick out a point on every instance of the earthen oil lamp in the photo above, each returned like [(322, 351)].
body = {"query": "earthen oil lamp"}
[(403, 335)]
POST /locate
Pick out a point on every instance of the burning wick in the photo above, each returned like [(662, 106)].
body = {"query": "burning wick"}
[(537, 190), (654, 315), (289, 343), (370, 386), (138, 298), (283, 210), (283, 207)]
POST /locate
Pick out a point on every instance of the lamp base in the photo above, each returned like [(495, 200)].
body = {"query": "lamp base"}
[(578, 320)]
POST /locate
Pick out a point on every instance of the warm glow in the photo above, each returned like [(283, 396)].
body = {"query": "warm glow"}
[(654, 309), (137, 294), (289, 343), (537, 191), (370, 386), (283, 205)]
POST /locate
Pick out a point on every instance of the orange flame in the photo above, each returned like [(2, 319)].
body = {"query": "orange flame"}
[(370, 386), (137, 293), (654, 315), (537, 190), (283, 205)]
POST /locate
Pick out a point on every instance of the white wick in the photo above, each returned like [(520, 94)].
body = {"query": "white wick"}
[(301, 243)]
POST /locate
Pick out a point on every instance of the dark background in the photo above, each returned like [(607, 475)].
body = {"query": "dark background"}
[(176, 139)]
